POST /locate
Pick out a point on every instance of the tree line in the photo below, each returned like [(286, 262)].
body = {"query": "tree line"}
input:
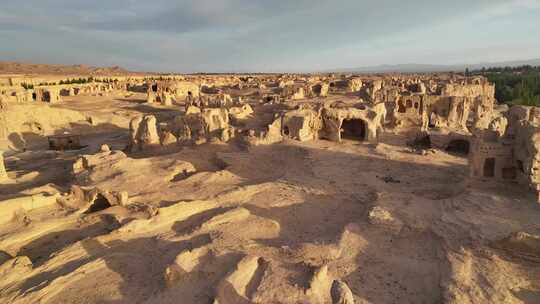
[(70, 81), (514, 85)]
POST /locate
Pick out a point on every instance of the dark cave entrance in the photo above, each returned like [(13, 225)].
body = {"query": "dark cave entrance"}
[(459, 146), (100, 203), (489, 167), (46, 96), (354, 129), (286, 131)]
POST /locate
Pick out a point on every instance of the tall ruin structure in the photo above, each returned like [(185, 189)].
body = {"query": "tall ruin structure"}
[(165, 91), (3, 173), (509, 148)]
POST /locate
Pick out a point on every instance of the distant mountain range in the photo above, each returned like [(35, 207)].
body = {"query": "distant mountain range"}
[(430, 68), (8, 67)]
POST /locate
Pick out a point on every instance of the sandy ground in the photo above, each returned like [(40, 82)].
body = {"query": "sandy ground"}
[(267, 224)]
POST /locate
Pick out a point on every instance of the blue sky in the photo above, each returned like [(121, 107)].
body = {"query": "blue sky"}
[(267, 35)]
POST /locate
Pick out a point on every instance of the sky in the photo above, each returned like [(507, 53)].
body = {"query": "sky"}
[(267, 35)]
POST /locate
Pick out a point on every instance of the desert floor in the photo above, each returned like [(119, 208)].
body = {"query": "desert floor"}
[(264, 224)]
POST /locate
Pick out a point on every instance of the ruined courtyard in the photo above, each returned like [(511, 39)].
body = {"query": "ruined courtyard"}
[(267, 188)]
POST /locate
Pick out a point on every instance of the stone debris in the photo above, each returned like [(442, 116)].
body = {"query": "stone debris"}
[(389, 179), (381, 217)]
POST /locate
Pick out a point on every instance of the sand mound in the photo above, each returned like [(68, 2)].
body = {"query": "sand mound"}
[(25, 125)]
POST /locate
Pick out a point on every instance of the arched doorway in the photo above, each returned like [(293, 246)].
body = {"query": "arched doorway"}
[(489, 167), (353, 129), (431, 120), (401, 107), (46, 96)]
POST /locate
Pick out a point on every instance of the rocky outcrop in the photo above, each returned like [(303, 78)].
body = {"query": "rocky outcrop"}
[(320, 285), (88, 200), (341, 294), (85, 164), (148, 134), (143, 133), (232, 289)]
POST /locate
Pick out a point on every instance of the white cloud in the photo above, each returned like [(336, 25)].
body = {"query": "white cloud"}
[(512, 6), (209, 35)]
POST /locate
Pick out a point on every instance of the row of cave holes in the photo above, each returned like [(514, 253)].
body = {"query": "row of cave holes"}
[(408, 104), (462, 147), (352, 129), (355, 129), (155, 89), (46, 96)]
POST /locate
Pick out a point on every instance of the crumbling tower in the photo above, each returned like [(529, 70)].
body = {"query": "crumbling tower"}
[(3, 173)]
